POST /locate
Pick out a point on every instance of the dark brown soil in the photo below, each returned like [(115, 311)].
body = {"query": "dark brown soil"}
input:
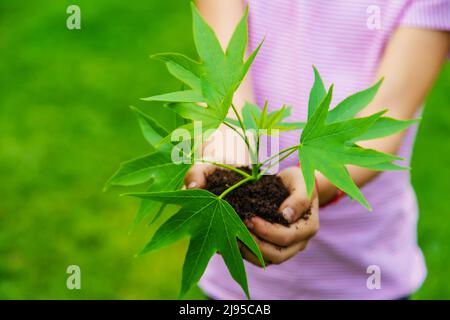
[(262, 198)]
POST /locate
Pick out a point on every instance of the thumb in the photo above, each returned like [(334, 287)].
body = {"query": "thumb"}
[(196, 176), (298, 202), (295, 206)]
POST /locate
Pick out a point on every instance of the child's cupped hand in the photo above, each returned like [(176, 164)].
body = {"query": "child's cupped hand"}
[(277, 242)]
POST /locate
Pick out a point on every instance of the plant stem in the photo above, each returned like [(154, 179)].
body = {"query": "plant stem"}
[(231, 168), (234, 186), (247, 143), (255, 163), (279, 154), (243, 135), (238, 116), (237, 131), (242, 125), (278, 161), (255, 170)]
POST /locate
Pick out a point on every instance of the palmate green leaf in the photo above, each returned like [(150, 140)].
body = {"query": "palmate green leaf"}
[(256, 119), (212, 224), (214, 79), (352, 105), (325, 147), (158, 170), (222, 71), (346, 109), (328, 139), (154, 168)]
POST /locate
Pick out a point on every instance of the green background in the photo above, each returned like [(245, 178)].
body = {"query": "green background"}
[(65, 126)]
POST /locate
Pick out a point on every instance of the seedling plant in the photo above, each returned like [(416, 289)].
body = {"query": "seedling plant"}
[(328, 142)]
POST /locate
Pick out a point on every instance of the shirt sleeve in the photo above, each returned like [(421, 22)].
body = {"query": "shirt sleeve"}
[(427, 14)]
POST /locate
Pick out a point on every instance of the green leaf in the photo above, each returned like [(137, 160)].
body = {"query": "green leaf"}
[(288, 126), (276, 116), (250, 60), (263, 117), (140, 170), (238, 42), (212, 224), (183, 68), (207, 129), (252, 114), (385, 126), (178, 96), (206, 42), (156, 168), (152, 131), (147, 206), (193, 111), (339, 176), (168, 183), (308, 169), (386, 166), (157, 165), (317, 120), (350, 106), (343, 131), (328, 146), (215, 78), (316, 94)]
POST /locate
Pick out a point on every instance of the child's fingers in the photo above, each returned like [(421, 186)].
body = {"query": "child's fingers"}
[(285, 236), (295, 206), (276, 254), (298, 201), (196, 176)]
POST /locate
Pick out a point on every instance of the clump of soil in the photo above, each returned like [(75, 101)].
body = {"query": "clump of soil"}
[(262, 198)]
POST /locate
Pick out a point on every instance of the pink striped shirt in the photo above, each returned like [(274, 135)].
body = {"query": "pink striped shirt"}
[(345, 40)]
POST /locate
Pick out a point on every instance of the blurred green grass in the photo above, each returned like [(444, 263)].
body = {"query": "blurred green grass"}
[(65, 125)]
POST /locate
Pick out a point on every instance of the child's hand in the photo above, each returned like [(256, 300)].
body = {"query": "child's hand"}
[(277, 242)]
